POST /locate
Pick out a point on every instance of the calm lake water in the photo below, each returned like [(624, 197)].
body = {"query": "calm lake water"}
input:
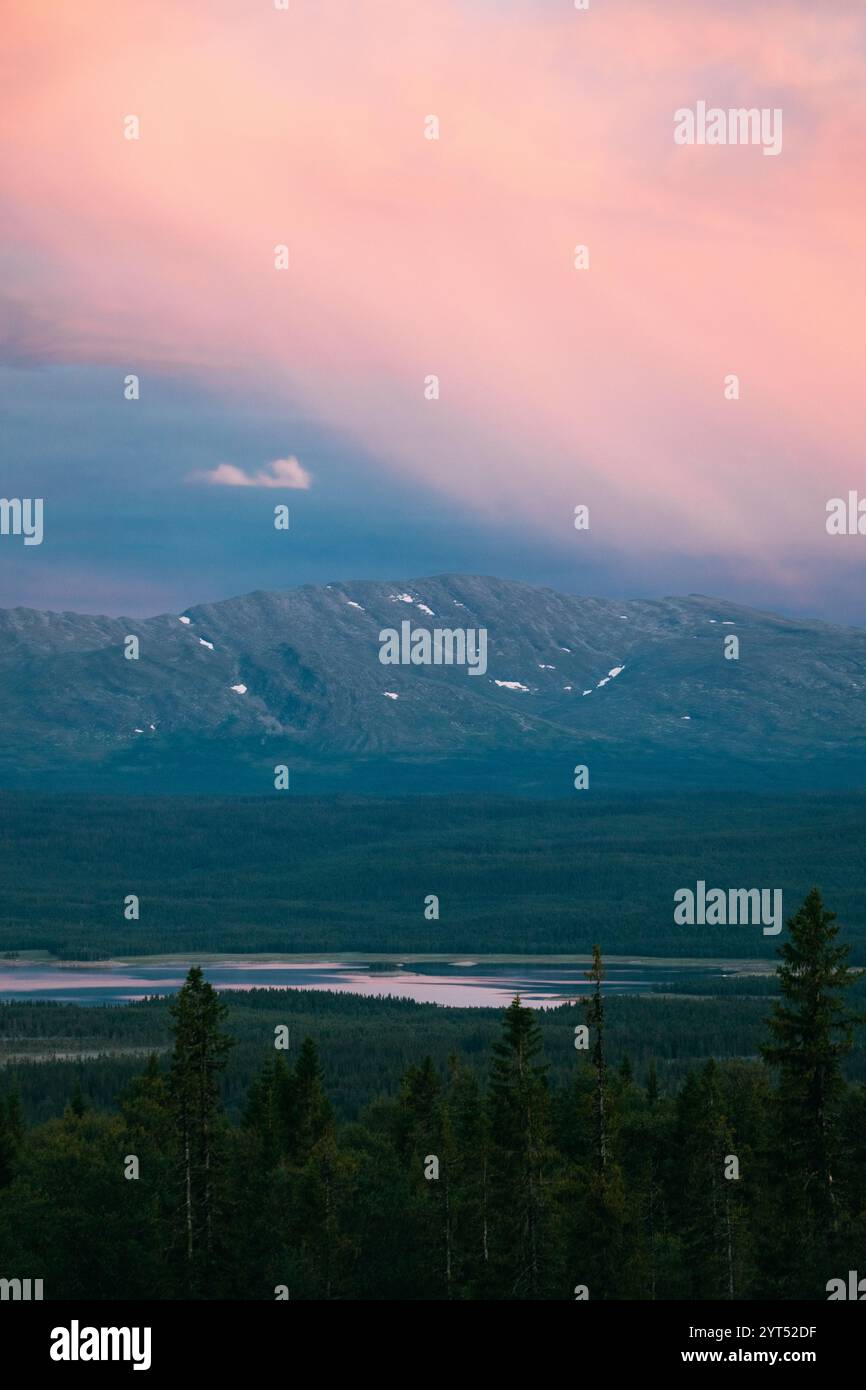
[(469, 984)]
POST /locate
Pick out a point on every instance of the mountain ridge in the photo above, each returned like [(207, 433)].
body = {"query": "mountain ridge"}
[(293, 676)]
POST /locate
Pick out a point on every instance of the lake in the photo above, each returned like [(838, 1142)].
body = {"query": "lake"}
[(464, 983)]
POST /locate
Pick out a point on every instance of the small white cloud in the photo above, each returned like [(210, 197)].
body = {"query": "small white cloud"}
[(352, 604), (391, 694), (512, 685), (283, 473), (185, 620), (206, 644), (241, 689)]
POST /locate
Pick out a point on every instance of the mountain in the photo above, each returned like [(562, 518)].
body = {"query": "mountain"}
[(639, 691)]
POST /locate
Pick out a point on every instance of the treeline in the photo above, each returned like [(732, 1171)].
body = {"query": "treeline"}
[(329, 874), (365, 1043), (749, 1182)]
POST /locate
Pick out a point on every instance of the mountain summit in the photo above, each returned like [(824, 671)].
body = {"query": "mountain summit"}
[(641, 692)]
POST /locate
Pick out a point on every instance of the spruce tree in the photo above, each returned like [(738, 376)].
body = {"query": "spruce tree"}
[(811, 1030), (422, 1132), (594, 1009), (153, 1198), (601, 1213), (200, 1053), (311, 1115), (468, 1171), (521, 1234), (709, 1201)]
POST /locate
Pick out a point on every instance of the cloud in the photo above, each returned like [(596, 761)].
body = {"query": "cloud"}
[(282, 473), (454, 257)]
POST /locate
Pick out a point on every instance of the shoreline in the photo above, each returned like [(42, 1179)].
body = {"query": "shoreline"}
[(738, 965)]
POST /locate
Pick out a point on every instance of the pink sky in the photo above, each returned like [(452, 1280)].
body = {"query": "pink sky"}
[(455, 257)]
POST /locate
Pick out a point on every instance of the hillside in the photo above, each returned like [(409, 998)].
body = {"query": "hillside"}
[(639, 691)]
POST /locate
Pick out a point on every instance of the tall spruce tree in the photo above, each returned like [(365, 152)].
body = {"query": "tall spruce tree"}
[(153, 1198), (594, 1010), (311, 1115), (468, 1170), (811, 1030), (422, 1132), (200, 1053), (709, 1196), (601, 1212), (522, 1234)]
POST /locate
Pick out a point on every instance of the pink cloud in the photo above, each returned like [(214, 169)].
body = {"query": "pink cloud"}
[(282, 473), (454, 257)]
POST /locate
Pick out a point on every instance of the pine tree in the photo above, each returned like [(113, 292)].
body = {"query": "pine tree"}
[(601, 1211), (311, 1115), (422, 1133), (522, 1235), (594, 1009), (152, 1199), (200, 1054), (319, 1178), (266, 1117), (811, 1031), (709, 1202), (647, 1147), (468, 1169)]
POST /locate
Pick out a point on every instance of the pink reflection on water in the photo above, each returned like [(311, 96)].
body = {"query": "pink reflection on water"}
[(69, 977), (478, 992)]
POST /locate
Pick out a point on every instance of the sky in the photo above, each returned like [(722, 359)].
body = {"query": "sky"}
[(605, 385)]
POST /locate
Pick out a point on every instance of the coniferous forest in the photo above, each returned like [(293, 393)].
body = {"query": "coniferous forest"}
[(744, 1180), (338, 873)]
